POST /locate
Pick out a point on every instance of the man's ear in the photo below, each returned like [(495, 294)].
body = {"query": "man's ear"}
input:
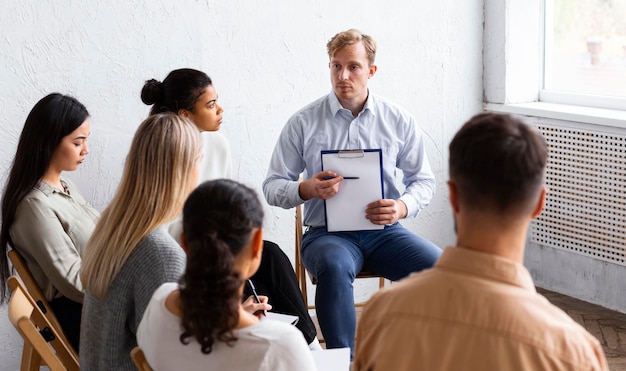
[(453, 195), (372, 72), (541, 203), (183, 243), (257, 243)]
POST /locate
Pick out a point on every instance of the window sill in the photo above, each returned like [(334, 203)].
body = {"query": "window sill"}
[(588, 115)]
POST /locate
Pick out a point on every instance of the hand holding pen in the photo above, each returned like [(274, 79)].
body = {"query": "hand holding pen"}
[(324, 185), (344, 177), (256, 304)]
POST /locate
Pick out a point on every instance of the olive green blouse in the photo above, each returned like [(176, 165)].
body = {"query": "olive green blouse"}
[(51, 228)]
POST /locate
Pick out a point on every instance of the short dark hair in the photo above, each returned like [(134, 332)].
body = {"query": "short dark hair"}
[(219, 219), (180, 90), (54, 117), (498, 162)]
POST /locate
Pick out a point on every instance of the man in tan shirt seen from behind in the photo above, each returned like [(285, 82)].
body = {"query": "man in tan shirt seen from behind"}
[(477, 308)]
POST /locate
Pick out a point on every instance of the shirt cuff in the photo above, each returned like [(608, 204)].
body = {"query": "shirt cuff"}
[(294, 194), (412, 209)]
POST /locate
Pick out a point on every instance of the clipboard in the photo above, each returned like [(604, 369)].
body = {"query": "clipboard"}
[(346, 210)]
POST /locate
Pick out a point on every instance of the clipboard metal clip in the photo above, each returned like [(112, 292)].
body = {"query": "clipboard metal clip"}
[(351, 153)]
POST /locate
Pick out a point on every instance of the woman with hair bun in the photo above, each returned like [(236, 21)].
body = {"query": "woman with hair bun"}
[(201, 323), (190, 93)]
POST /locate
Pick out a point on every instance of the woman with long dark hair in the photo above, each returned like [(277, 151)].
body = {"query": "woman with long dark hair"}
[(44, 216), (201, 323), (190, 93)]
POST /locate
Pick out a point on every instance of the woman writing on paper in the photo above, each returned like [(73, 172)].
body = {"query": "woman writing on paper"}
[(200, 323)]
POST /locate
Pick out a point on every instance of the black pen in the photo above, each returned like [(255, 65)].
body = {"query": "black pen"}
[(256, 297), (345, 177)]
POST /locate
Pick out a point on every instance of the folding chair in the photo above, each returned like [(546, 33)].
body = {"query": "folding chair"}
[(42, 343), (35, 292), (301, 271), (140, 359)]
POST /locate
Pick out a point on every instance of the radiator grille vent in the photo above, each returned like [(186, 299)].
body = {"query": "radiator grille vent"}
[(586, 202)]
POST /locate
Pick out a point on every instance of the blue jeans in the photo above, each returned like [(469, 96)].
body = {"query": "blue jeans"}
[(334, 259)]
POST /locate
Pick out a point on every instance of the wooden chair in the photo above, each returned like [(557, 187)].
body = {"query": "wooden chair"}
[(301, 271), (35, 292), (140, 359), (42, 343)]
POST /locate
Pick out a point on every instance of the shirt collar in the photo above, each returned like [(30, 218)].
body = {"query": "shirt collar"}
[(335, 105), (47, 189), (486, 265)]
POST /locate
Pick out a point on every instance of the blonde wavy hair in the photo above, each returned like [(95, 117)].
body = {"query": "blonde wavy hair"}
[(350, 37), (155, 183)]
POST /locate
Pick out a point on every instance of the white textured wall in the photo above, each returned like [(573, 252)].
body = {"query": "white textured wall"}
[(267, 59)]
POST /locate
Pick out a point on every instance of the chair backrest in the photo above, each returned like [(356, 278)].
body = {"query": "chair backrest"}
[(37, 331), (35, 292), (300, 271), (140, 359)]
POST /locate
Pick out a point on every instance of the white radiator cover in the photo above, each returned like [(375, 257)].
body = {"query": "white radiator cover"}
[(577, 245), (585, 210)]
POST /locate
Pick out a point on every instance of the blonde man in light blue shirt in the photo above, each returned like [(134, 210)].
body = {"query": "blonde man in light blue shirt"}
[(350, 117)]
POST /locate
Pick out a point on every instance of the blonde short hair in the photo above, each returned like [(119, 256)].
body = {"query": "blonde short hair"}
[(350, 37), (154, 187)]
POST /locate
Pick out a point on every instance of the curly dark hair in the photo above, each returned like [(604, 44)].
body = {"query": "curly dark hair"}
[(219, 218)]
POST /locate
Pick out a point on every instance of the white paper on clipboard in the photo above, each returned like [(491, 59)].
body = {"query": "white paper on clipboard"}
[(346, 210)]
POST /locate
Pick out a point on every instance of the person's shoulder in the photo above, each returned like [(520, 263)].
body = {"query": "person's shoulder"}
[(553, 326), (400, 296), (551, 319), (36, 202), (160, 246), (387, 106), (159, 237), (215, 138), (163, 291), (40, 192), (312, 108), (275, 331)]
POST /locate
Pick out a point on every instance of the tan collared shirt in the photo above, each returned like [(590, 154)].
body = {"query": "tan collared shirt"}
[(51, 230), (471, 311)]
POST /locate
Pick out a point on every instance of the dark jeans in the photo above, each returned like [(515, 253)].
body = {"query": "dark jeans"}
[(68, 312), (334, 259), (276, 279)]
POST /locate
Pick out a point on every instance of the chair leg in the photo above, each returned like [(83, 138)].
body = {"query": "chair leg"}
[(31, 361)]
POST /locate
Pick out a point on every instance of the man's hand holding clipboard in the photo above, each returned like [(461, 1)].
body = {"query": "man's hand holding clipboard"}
[(351, 186)]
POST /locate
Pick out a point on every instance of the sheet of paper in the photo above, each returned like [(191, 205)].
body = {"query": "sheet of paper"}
[(337, 359), (346, 210), (288, 318)]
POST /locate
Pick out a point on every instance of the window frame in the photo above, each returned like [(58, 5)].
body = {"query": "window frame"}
[(565, 97), (514, 84)]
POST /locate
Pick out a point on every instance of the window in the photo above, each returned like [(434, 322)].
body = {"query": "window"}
[(585, 53)]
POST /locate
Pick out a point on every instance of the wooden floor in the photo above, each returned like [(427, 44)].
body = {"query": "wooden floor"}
[(607, 325)]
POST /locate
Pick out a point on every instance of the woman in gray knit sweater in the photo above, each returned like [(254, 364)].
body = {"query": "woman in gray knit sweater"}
[(130, 253)]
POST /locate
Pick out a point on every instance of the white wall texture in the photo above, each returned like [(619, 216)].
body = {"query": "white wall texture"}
[(267, 59)]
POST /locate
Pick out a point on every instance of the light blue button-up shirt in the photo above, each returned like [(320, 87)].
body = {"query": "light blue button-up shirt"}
[(326, 125)]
